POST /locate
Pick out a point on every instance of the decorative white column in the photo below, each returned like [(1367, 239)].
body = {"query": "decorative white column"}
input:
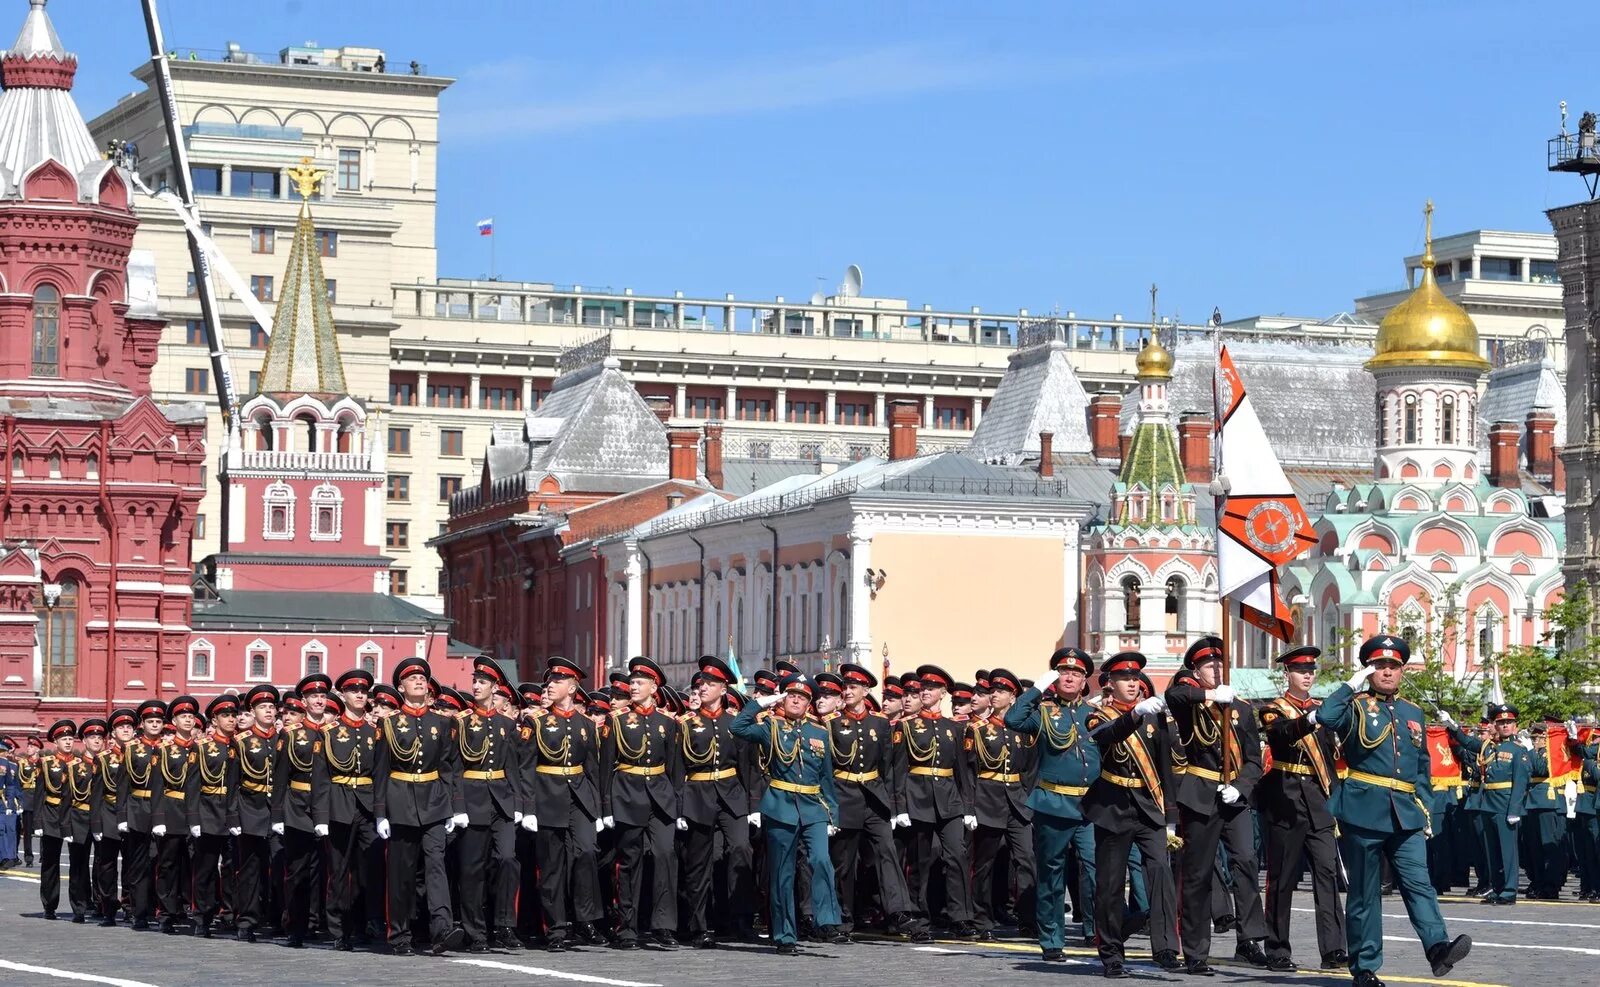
[(977, 411), (473, 385), (527, 398), (860, 644), (830, 408), (1071, 568), (878, 419), (730, 405), (927, 411), (680, 401), (633, 613), (780, 406)]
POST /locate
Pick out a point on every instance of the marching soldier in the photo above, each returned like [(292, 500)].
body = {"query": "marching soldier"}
[(561, 806), (355, 857), (1223, 751), (1293, 797), (799, 805), (255, 753), (416, 759), (217, 811), (487, 810), (1381, 817), (109, 845), (1546, 828), (1004, 767), (641, 769), (936, 797), (1131, 805), (10, 804), (1501, 797), (174, 822), (1056, 716), (530, 918), (1584, 826), (136, 797), (65, 781), (716, 802), (864, 784), (28, 780), (299, 817)]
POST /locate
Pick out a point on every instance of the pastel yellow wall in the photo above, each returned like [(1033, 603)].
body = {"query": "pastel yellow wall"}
[(965, 602)]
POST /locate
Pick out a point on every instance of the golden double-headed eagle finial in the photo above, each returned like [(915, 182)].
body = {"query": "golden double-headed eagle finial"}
[(306, 178)]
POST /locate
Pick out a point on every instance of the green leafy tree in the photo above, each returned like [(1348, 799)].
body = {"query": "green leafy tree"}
[(1554, 678)]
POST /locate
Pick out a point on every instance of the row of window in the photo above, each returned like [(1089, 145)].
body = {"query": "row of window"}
[(264, 240), (268, 183), (262, 288), (804, 412), (399, 487), (258, 660), (493, 397), (1497, 269), (450, 441)]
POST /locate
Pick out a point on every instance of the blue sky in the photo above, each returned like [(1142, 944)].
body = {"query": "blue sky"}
[(1260, 157)]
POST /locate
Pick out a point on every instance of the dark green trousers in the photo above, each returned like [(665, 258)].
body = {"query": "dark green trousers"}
[(1501, 839), (1053, 839), (1363, 852), (783, 846)]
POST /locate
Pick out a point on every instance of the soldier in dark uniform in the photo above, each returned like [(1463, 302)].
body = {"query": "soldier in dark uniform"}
[(641, 771), (299, 817), (355, 856), (416, 760), (936, 798), (65, 780), (1584, 827), (864, 784), (716, 801), (1545, 831), (1501, 797), (1380, 810), (1004, 764), (217, 811), (561, 806), (1056, 716), (530, 912), (487, 811), (255, 754), (28, 780), (1293, 797), (173, 816), (1132, 804), (1223, 751), (108, 841), (795, 752)]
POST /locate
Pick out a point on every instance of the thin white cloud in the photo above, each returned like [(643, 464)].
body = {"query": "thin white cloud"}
[(662, 91)]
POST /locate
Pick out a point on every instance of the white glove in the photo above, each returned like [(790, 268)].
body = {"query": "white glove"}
[(903, 819), (1144, 707), (1311, 717), (1572, 809), (599, 826), (516, 818), (461, 820), (1359, 677), (1513, 820), (66, 839), (277, 829), (767, 701), (1446, 719), (161, 830), (1525, 743), (1572, 729), (235, 830), (1229, 794), (971, 822), (194, 832), (321, 829), (1047, 683), (382, 827), (610, 821), (40, 832), (1221, 694), (97, 836), (754, 819), (833, 830), (1172, 830), (529, 822), (683, 825), (1571, 791), (122, 827), (450, 825)]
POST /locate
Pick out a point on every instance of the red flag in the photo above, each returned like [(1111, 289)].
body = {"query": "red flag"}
[(1564, 764), (1441, 757)]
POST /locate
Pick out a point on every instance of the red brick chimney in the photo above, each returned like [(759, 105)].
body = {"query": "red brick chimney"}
[(683, 446), (1047, 454), (1105, 410), (904, 417), (1123, 442), (1558, 475), (660, 406), (1194, 446), (1503, 438), (1541, 443), (714, 454)]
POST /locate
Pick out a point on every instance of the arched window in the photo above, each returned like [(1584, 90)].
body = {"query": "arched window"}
[(264, 432), (91, 467), (278, 512), (738, 625), (1177, 592), (57, 611), (1411, 418), (327, 513), (1383, 423), (844, 613), (1447, 420), (16, 463), (46, 332), (1130, 603), (54, 463), (311, 433)]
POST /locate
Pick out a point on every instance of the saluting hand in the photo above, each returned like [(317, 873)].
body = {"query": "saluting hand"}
[(1359, 677)]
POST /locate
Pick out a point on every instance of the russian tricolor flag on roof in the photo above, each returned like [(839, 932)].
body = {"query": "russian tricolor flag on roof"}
[(486, 227)]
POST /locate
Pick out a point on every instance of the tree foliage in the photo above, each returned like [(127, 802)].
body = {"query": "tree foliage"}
[(1554, 678)]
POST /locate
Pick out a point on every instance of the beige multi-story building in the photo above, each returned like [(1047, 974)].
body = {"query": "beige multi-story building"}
[(442, 361)]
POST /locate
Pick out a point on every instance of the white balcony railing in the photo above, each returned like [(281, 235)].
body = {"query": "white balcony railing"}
[(280, 459)]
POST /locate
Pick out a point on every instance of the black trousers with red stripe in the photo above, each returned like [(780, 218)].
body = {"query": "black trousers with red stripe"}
[(172, 866), (208, 878)]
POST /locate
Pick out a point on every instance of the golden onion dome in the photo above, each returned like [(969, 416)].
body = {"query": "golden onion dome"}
[(1427, 329), (1154, 361)]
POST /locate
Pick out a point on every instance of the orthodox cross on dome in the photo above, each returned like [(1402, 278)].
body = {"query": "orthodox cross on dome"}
[(1427, 233), (303, 353)]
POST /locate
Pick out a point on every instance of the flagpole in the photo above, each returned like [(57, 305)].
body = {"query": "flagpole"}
[(1219, 492), (491, 254)]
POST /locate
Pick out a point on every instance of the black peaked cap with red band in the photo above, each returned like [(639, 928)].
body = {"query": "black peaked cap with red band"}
[(356, 676), (181, 705), (1385, 646), (828, 682), (314, 683), (410, 666), (646, 668), (1122, 661), (1204, 649), (935, 676), (262, 694), (857, 675), (1300, 657), (1000, 678), (488, 668), (716, 669), (558, 667), (1070, 658)]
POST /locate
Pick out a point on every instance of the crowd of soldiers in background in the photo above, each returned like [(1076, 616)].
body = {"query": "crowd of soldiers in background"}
[(411, 817)]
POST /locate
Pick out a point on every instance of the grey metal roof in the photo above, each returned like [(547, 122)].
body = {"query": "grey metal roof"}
[(606, 428), (1315, 402), (37, 124), (254, 607), (1039, 393), (741, 476), (1514, 391)]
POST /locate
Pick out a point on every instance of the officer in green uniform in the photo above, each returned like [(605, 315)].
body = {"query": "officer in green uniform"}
[(1380, 810), (1547, 822), (796, 753), (1501, 796), (1584, 827), (1055, 713)]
